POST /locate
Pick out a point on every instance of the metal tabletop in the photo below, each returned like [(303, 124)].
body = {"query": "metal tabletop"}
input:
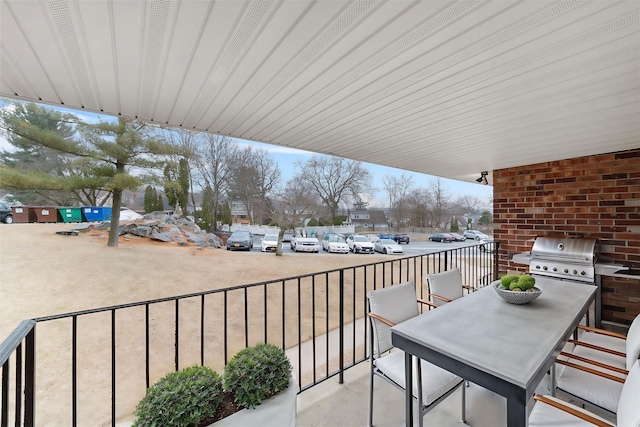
[(503, 347)]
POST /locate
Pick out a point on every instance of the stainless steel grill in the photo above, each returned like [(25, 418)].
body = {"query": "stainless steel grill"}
[(564, 258)]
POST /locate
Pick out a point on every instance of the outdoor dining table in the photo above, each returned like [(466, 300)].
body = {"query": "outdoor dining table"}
[(505, 348)]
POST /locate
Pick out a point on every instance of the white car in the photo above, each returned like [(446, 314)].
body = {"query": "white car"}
[(359, 244), (487, 245), (269, 243), (335, 244), (388, 246), (475, 235), (305, 244)]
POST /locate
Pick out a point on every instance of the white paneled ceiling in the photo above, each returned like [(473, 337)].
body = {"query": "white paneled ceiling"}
[(448, 88)]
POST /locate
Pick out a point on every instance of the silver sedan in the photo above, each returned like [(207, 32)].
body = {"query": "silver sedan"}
[(388, 246)]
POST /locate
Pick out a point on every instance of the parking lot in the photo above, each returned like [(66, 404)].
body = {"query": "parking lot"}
[(419, 247)]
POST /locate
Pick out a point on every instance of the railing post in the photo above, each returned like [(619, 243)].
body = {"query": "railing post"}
[(496, 262), (341, 377), (446, 260), (30, 378)]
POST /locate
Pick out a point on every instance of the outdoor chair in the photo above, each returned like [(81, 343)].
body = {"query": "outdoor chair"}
[(446, 286), (609, 347), (431, 384), (598, 380), (552, 412)]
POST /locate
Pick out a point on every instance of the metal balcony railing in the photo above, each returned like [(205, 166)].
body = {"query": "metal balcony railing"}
[(92, 367)]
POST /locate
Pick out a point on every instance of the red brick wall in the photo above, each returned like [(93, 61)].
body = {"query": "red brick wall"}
[(597, 196)]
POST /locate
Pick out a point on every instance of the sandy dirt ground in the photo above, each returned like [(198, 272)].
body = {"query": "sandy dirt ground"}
[(46, 274)]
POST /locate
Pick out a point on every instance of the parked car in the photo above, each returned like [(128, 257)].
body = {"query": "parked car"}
[(373, 238), (335, 243), (458, 237), (359, 244), (269, 243), (305, 244), (401, 238), (475, 235), (5, 213), (287, 236), (487, 245), (388, 246), (441, 237), (240, 240), (386, 236)]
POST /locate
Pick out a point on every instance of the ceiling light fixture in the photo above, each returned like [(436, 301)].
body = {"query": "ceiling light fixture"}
[(483, 178)]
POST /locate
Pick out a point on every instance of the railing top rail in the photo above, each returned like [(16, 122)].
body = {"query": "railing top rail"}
[(14, 339)]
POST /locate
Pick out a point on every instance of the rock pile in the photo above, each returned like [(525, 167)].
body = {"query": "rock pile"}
[(164, 228)]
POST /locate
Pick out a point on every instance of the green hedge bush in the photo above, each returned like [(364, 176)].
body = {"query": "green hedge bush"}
[(182, 398), (257, 373)]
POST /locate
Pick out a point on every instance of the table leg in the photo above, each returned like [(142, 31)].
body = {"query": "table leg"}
[(516, 414), (408, 375)]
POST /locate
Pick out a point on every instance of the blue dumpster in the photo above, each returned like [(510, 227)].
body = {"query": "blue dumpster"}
[(96, 213)]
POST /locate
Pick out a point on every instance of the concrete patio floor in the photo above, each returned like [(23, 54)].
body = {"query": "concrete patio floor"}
[(334, 405), (331, 404)]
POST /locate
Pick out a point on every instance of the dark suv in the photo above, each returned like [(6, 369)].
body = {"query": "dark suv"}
[(240, 240), (401, 238)]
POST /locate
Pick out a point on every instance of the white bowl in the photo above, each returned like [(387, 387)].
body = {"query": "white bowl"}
[(517, 297)]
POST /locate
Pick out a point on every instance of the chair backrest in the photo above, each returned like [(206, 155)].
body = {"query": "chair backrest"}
[(633, 342), (447, 284), (628, 413), (396, 303)]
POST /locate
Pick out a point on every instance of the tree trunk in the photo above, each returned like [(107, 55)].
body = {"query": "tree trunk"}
[(115, 218), (280, 237)]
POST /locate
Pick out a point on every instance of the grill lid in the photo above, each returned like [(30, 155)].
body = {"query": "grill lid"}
[(568, 249)]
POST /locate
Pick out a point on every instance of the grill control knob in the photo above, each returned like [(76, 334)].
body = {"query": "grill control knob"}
[(566, 270), (555, 269), (538, 267), (575, 271), (544, 268), (583, 273)]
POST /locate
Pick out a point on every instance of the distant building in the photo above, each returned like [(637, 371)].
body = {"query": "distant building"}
[(368, 218), (240, 213)]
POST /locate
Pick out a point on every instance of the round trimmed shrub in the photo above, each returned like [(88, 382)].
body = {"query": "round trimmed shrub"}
[(257, 373), (183, 398)]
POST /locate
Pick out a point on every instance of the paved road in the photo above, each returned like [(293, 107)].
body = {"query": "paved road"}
[(413, 248)]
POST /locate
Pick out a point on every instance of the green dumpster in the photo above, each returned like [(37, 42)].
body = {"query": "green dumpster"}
[(71, 214)]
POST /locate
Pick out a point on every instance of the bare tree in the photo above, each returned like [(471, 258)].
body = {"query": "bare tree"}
[(243, 183), (216, 157), (441, 202), (468, 204), (254, 176), (419, 200), (268, 178), (398, 188), (291, 206), (335, 180)]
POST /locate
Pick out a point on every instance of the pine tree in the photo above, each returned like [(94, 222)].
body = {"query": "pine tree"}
[(150, 199)]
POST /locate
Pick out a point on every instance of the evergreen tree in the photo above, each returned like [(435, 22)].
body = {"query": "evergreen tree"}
[(170, 185), (102, 155), (159, 206), (150, 198), (486, 218), (207, 216), (39, 174), (183, 182)]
